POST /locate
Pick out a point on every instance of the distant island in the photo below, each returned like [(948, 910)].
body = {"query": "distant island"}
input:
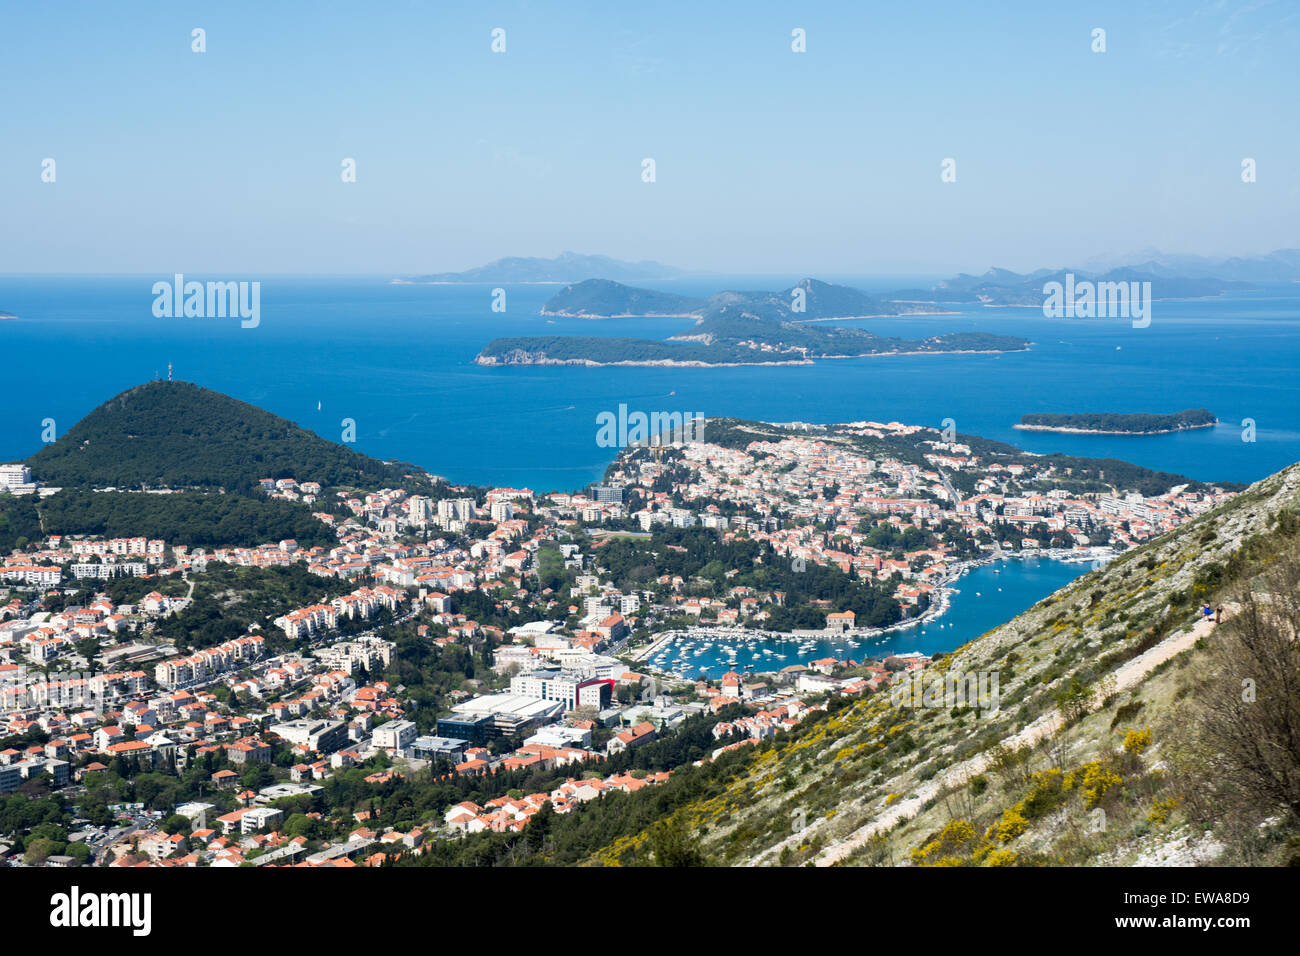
[(808, 300), (731, 328), (1001, 288), (1171, 277), (735, 340), (775, 328), (1110, 423), (566, 267), (606, 299)]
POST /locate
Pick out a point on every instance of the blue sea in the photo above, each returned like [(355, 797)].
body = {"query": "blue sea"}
[(399, 361)]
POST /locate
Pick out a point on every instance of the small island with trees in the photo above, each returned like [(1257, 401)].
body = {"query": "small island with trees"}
[(1113, 423)]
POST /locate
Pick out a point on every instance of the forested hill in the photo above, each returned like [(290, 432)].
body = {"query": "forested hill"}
[(178, 435), (1130, 424), (601, 297)]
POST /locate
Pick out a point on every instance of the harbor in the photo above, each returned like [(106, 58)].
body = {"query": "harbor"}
[(991, 591)]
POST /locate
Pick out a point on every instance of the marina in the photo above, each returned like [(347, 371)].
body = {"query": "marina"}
[(986, 595)]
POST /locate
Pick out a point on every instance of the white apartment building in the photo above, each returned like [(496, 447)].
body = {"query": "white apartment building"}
[(419, 510), (12, 476), (456, 509)]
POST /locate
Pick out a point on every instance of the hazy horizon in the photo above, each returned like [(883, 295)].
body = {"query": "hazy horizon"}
[(686, 271)]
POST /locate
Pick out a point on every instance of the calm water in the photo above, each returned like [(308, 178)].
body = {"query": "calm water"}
[(399, 360), (988, 596)]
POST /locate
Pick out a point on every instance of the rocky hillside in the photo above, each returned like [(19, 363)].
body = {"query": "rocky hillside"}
[(1122, 734)]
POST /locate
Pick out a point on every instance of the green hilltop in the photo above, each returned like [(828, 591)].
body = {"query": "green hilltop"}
[(208, 447), (179, 435)]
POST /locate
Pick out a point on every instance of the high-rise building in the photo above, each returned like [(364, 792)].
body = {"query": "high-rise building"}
[(456, 509), (419, 509)]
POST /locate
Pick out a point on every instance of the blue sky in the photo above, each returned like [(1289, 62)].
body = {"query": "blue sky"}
[(825, 162)]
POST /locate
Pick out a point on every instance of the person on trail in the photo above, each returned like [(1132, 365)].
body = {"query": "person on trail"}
[(1206, 613), (1218, 614)]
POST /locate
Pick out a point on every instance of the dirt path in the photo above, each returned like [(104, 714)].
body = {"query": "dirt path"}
[(1127, 675)]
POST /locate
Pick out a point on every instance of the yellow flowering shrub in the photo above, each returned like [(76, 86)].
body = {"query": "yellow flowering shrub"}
[(1161, 809), (1010, 825), (945, 849), (1136, 741), (1096, 781)]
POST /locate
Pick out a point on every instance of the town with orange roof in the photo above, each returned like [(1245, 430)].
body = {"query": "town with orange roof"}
[(490, 639)]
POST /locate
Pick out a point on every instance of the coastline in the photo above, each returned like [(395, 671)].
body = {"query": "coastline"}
[(622, 315), (674, 363), (930, 352), (662, 363), (881, 315), (696, 315), (1098, 431)]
